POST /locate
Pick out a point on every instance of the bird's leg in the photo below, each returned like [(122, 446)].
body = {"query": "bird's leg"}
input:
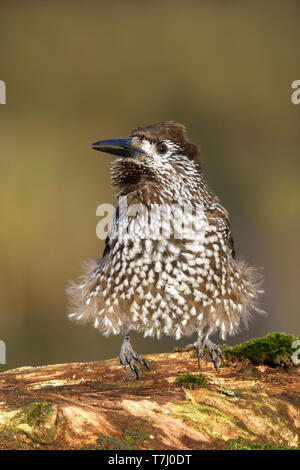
[(214, 349), (200, 343), (127, 355)]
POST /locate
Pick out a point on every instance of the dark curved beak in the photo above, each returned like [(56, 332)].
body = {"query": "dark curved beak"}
[(120, 147)]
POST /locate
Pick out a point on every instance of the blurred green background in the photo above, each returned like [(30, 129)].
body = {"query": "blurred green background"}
[(77, 72)]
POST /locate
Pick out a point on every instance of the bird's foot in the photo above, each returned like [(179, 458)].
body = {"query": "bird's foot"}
[(214, 350), (127, 357)]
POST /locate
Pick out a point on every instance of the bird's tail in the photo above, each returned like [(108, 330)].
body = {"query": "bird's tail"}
[(250, 294), (82, 294)]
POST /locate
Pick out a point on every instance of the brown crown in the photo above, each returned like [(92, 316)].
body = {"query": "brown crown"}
[(169, 130)]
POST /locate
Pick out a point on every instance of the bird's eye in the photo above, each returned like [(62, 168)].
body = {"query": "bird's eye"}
[(162, 148)]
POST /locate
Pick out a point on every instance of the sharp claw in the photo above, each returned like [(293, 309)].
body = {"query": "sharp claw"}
[(214, 355), (216, 364), (215, 352), (141, 360), (127, 357), (134, 367), (145, 363), (123, 362)]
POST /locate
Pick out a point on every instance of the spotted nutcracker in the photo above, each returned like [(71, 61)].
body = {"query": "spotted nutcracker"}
[(169, 265)]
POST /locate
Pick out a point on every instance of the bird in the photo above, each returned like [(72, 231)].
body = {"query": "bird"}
[(169, 265)]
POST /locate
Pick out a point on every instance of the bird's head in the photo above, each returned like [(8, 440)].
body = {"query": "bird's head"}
[(159, 155)]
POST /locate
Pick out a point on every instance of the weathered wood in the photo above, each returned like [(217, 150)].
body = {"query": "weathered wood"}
[(99, 405)]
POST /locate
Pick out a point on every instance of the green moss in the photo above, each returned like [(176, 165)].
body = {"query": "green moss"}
[(230, 393), (274, 349), (34, 424), (191, 381), (115, 443), (214, 422), (37, 413), (135, 435), (130, 440), (240, 444)]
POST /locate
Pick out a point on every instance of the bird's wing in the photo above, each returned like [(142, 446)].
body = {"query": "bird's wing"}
[(111, 236), (219, 216)]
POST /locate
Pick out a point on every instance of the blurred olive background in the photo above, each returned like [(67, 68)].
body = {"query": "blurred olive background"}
[(77, 72)]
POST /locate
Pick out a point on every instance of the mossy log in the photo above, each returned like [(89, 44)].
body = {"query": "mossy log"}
[(99, 405)]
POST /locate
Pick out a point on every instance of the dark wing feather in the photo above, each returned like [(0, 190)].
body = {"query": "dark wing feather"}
[(219, 216), (113, 229)]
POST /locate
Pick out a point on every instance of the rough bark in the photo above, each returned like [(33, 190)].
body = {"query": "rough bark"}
[(98, 405)]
